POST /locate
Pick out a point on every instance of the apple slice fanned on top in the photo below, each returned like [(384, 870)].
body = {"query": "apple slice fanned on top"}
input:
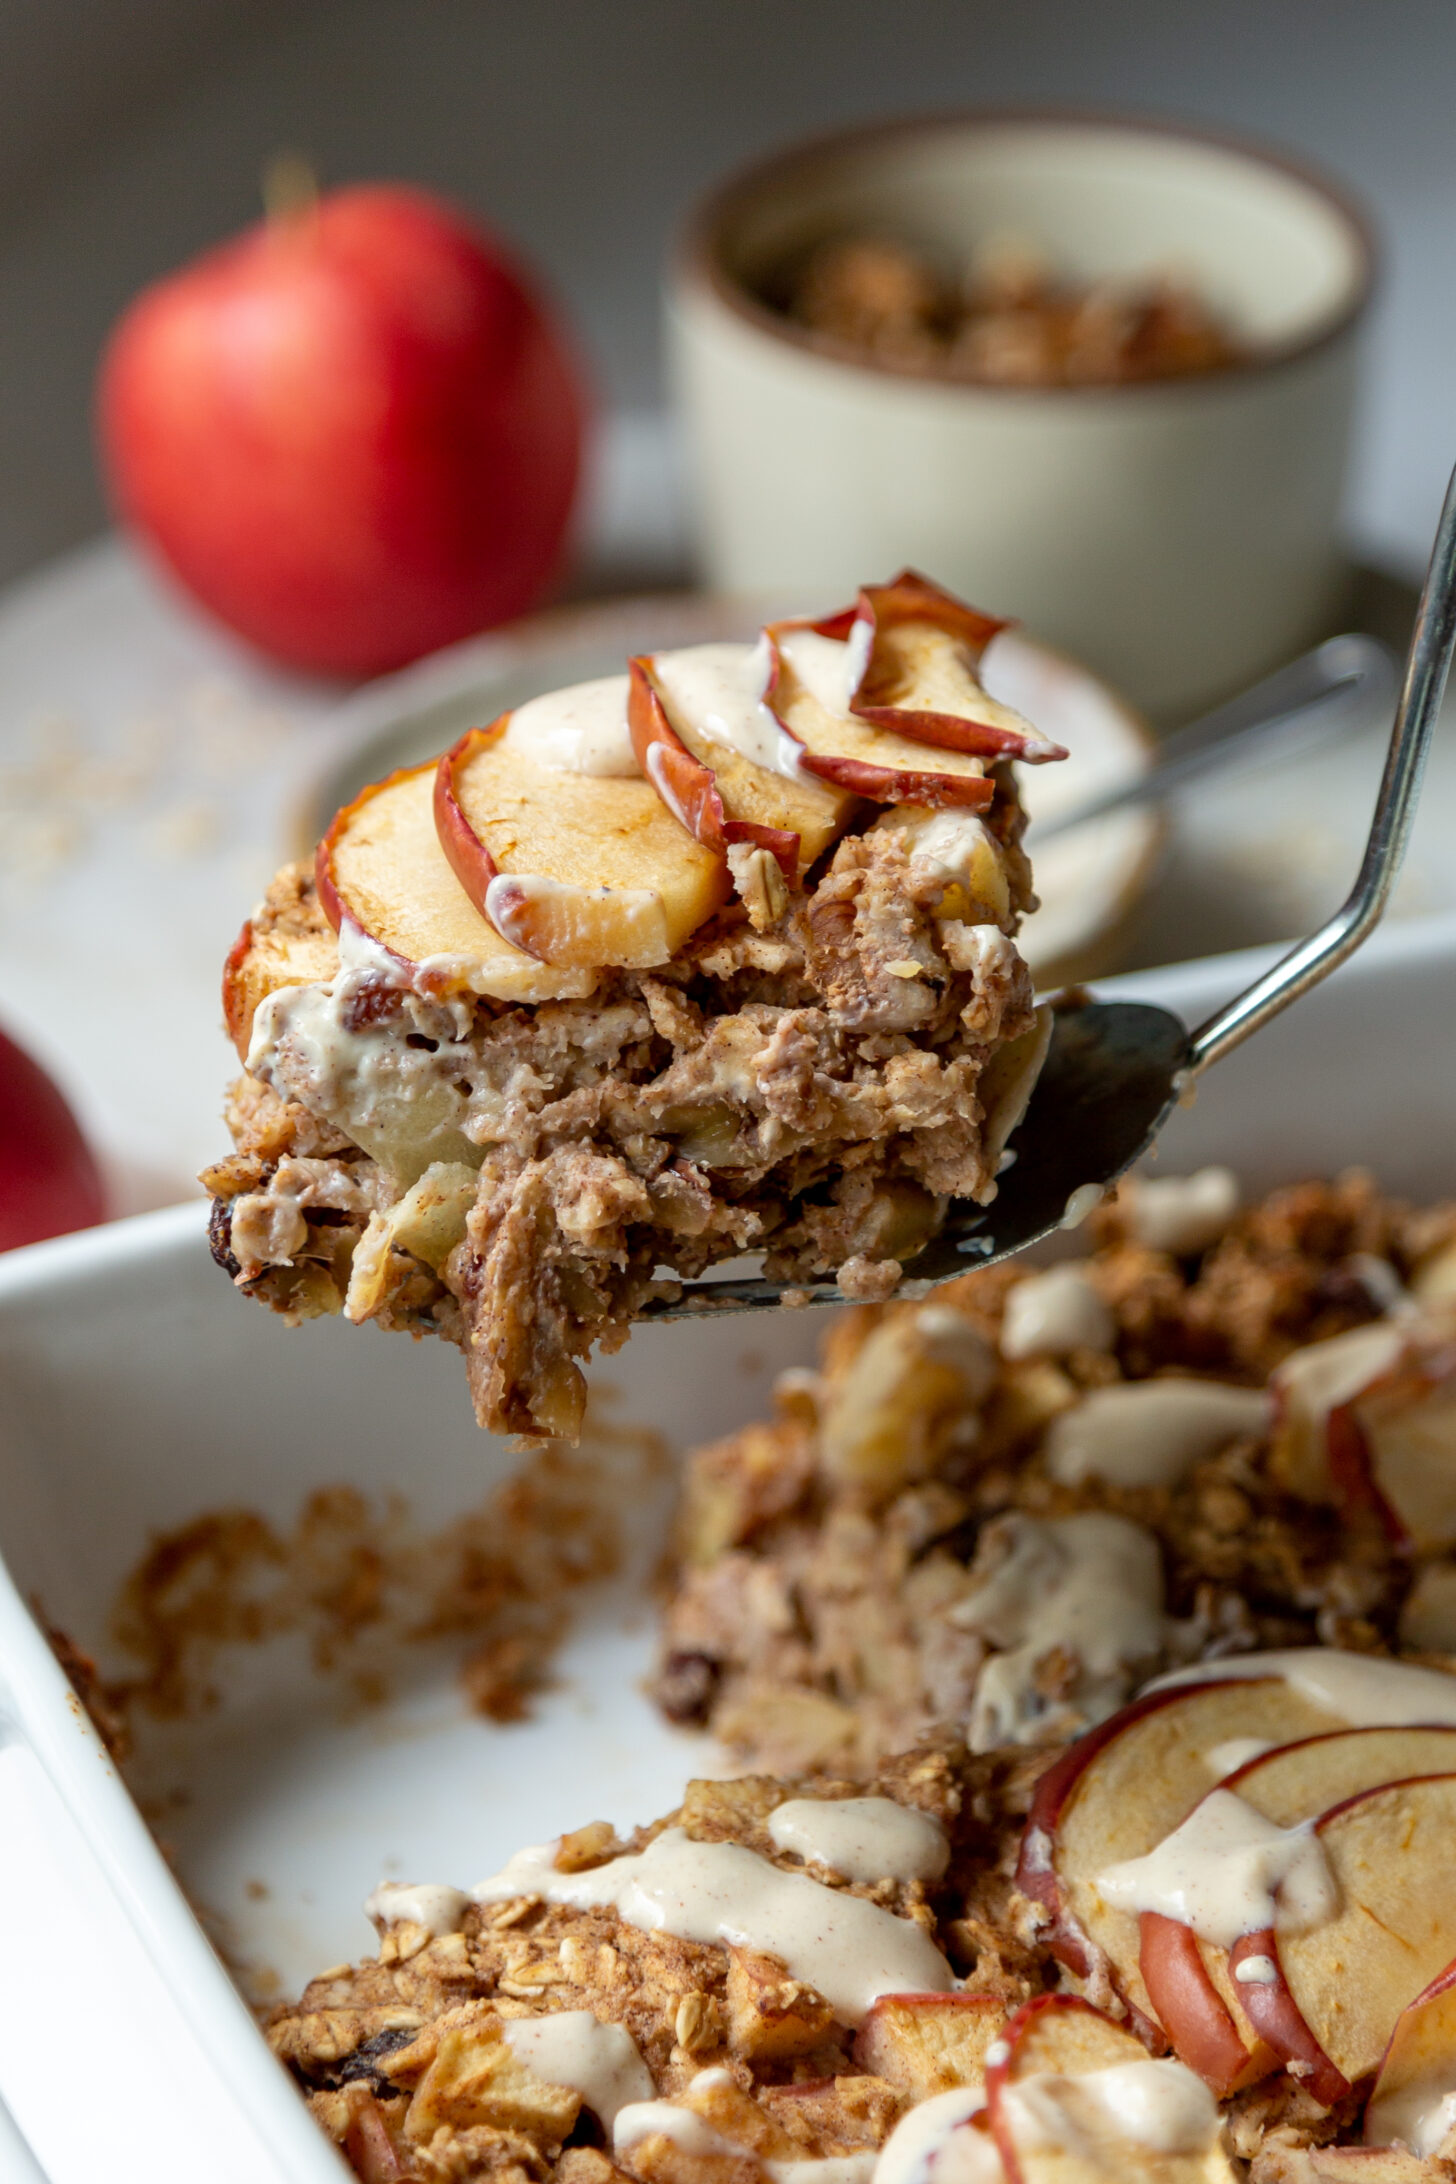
[(725, 800), (913, 655), (382, 873), (580, 864)]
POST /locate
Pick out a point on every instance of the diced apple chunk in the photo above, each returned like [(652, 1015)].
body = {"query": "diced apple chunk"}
[(924, 2044), (381, 869), (259, 963), (580, 870)]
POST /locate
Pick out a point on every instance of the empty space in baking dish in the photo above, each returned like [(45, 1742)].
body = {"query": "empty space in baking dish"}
[(140, 1393)]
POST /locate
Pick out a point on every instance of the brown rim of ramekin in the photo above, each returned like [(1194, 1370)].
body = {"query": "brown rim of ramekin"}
[(697, 256)]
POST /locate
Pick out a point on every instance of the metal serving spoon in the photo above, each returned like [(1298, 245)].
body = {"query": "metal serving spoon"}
[(1322, 693), (1116, 1070)]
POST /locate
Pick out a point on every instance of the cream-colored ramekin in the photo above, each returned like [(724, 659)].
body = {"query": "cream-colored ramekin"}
[(1179, 536)]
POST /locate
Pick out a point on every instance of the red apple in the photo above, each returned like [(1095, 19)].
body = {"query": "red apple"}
[(353, 432), (49, 1181)]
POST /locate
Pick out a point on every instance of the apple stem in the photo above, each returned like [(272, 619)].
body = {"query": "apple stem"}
[(290, 189)]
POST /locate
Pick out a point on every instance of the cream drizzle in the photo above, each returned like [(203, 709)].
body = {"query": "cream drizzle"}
[(601, 2062), (718, 691), (828, 668), (1362, 1690), (434, 1905), (579, 730), (1159, 2105), (1227, 1871), (1049, 1314), (1090, 1584), (918, 2147), (1419, 2116), (1150, 1432), (850, 1950), (1181, 1214), (862, 1838)]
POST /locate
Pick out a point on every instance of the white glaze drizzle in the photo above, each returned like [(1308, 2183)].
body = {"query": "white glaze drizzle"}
[(862, 1838), (1235, 1751), (1227, 1871), (1419, 2116), (828, 668), (1085, 1200), (1159, 2105), (668, 2119), (434, 1905), (1150, 1432), (1049, 1314), (1091, 1584), (1362, 1690), (823, 2169), (1180, 1213), (917, 2149), (850, 1950), (579, 730), (1256, 1971), (601, 2062), (718, 690), (1316, 1380)]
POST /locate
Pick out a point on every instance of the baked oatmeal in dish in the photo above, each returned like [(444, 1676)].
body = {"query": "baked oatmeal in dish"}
[(1210, 1940), (1220, 1428), (716, 956)]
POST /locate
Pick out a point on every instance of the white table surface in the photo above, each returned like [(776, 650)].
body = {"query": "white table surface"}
[(149, 768)]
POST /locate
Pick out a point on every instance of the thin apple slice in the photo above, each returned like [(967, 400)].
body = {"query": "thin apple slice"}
[(1193, 1994), (809, 696), (382, 873), (1414, 2100), (916, 650), (690, 788), (260, 962), (1329, 1999), (705, 739), (579, 869), (1120, 1789), (1073, 2098), (1406, 1424), (1311, 1386), (924, 2044)]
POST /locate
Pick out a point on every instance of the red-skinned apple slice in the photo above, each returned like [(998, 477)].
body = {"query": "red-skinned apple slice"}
[(1116, 1793), (924, 2044), (808, 695), (1188, 1982), (578, 869), (691, 789), (1337, 1992), (259, 963), (918, 649), (1368, 1419), (381, 870), (1417, 2074), (1061, 2039)]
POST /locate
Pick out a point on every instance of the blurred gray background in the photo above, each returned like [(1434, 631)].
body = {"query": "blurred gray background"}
[(134, 132)]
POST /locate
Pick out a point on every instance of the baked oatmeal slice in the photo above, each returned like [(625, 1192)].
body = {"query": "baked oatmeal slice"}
[(725, 1963), (998, 1511), (715, 957)]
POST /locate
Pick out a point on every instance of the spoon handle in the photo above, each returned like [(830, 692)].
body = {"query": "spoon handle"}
[(1427, 667), (1290, 708)]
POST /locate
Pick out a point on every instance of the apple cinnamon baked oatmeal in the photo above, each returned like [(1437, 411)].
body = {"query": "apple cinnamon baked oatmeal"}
[(1213, 1939), (1000, 1509), (716, 956)]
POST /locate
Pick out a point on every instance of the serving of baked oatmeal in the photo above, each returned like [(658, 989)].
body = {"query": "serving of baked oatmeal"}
[(1221, 1428), (1201, 1943), (717, 956)]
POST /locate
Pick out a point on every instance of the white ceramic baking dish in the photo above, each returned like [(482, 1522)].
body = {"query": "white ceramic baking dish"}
[(136, 1392)]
